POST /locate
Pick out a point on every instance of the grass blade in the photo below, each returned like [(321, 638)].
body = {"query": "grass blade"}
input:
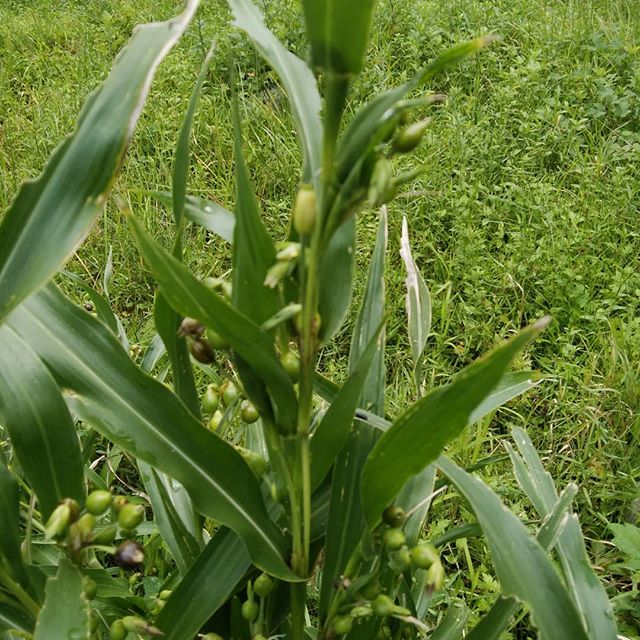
[(10, 529), (144, 417), (51, 215), (419, 435), (39, 424)]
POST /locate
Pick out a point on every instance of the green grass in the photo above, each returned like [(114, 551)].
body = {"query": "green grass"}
[(528, 204)]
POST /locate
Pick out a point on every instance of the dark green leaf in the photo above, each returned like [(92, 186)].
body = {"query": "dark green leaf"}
[(521, 563), (369, 319), (209, 583), (419, 435), (452, 625), (42, 432), (333, 431), (65, 613), (338, 32), (298, 81), (14, 618), (415, 498), (144, 417), (191, 298), (10, 529), (51, 215)]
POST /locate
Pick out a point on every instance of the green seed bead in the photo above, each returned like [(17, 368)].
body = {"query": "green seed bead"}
[(216, 340), (215, 421), (409, 138), (248, 412), (342, 624), (98, 501), (393, 516), (291, 364), (393, 539), (383, 605), (263, 585), (86, 524), (211, 399), (119, 502), (89, 588), (304, 211), (435, 576), (212, 636), (165, 594), (403, 558), (249, 610), (371, 591), (229, 392), (57, 522), (117, 631), (424, 555), (130, 516), (105, 536)]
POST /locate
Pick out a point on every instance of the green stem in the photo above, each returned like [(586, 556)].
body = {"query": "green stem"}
[(298, 607), (25, 599)]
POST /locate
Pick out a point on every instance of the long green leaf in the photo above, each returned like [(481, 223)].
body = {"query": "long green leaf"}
[(418, 305), (419, 435), (585, 588), (298, 81), (338, 32), (65, 613), (51, 216), (41, 429), (144, 417), (369, 318), (177, 527), (10, 529), (191, 298), (452, 625), (521, 564), (332, 433)]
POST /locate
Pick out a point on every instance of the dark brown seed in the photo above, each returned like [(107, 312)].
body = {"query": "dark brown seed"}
[(129, 555)]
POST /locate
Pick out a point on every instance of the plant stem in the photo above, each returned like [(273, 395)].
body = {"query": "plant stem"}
[(298, 606), (12, 586)]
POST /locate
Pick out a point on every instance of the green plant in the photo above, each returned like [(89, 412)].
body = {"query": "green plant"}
[(322, 483)]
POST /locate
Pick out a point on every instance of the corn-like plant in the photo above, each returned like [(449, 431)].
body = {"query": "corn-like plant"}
[(278, 504)]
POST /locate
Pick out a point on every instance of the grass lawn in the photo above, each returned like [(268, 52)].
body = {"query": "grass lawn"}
[(528, 205)]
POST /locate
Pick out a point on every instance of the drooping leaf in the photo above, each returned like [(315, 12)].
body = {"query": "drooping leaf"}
[(39, 424), (332, 433), (298, 81), (336, 279), (415, 498), (191, 298), (65, 613), (370, 316), (177, 526), (10, 529), (418, 305), (586, 590), (144, 417), (338, 32), (51, 216), (521, 564), (420, 434)]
